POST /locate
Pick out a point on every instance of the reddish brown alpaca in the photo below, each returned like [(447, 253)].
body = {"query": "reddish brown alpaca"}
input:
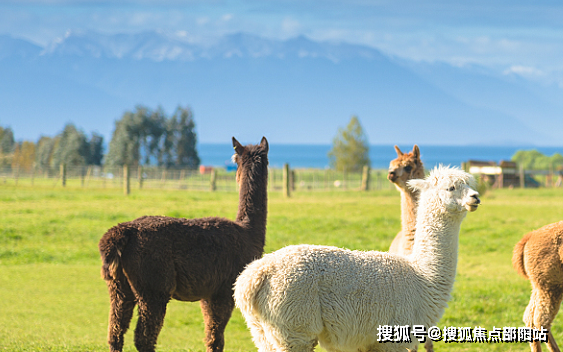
[(406, 167), (539, 258), (152, 259), (402, 169)]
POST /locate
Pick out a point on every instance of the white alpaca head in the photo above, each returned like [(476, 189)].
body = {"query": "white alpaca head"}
[(449, 188)]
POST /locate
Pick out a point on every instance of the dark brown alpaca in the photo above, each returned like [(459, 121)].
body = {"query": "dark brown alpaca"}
[(152, 259)]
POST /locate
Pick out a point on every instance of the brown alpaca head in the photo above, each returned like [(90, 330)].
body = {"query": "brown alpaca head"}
[(407, 166), (250, 158)]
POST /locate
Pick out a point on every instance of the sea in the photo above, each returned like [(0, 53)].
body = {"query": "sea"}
[(316, 156)]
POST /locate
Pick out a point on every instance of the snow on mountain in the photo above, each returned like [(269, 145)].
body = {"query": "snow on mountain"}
[(149, 45), (157, 46)]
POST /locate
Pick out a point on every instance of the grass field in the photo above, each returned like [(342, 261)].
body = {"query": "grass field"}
[(53, 299)]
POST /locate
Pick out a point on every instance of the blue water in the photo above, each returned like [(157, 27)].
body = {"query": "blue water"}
[(315, 156)]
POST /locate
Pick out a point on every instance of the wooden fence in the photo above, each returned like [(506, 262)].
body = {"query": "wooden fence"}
[(217, 179)]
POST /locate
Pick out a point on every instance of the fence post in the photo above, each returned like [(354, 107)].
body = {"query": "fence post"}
[(365, 178), (379, 182), (88, 174), (522, 177), (63, 174), (83, 176), (126, 180), (285, 181), (17, 174), (140, 176), (213, 180)]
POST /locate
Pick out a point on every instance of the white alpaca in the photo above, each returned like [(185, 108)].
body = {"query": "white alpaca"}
[(302, 295)]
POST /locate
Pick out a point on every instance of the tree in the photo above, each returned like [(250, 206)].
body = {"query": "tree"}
[(7, 141), (557, 161), (350, 148), (185, 139), (24, 156), (95, 149), (145, 136), (44, 152), (7, 146), (72, 148), (535, 160), (124, 147)]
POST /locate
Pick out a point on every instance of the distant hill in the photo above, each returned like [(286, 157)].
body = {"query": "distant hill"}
[(294, 91)]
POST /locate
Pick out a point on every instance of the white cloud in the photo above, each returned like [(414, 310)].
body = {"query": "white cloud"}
[(526, 71), (290, 26), (202, 21)]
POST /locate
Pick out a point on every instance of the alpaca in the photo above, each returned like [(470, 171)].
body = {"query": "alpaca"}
[(302, 295), (152, 259), (538, 257), (404, 168)]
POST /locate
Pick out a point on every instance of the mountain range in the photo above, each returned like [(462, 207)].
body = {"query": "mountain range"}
[(293, 91)]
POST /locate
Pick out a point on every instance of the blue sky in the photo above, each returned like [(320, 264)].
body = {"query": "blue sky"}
[(525, 37)]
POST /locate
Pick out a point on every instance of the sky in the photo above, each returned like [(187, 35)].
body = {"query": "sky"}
[(524, 37)]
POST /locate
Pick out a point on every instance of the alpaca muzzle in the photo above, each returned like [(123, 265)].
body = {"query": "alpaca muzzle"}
[(473, 203), (392, 176)]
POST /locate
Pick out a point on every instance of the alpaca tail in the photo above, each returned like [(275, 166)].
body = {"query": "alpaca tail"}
[(111, 246), (248, 287), (518, 256)]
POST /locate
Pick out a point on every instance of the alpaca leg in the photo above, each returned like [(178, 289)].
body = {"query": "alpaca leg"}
[(152, 310), (216, 315), (541, 311), (122, 304), (551, 303), (551, 344), (529, 314), (258, 335)]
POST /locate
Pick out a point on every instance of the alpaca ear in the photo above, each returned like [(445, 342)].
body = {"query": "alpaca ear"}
[(399, 152), (239, 149), (264, 144), (416, 151), (417, 184)]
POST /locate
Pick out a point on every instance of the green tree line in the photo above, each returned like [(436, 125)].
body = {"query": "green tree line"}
[(535, 160), (145, 137), (141, 137)]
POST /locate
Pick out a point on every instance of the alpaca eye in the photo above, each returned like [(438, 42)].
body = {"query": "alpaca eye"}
[(408, 168), (451, 189)]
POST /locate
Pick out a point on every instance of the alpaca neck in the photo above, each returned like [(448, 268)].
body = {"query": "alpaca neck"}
[(408, 212), (253, 202), (435, 248)]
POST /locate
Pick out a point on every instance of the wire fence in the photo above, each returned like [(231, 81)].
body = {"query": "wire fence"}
[(223, 180), (208, 179)]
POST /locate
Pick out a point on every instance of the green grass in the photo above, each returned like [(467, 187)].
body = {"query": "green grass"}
[(53, 299)]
